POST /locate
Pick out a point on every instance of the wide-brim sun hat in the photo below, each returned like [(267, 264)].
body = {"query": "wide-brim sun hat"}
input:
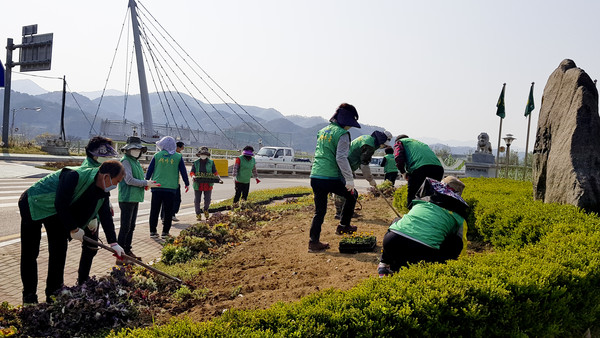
[(203, 151), (346, 117), (104, 150), (134, 142)]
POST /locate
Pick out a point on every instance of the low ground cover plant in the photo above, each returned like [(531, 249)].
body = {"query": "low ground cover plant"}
[(133, 297), (541, 281)]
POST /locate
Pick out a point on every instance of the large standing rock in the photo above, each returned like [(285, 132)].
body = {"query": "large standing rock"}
[(566, 157)]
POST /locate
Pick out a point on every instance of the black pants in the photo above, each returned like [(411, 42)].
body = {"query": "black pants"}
[(399, 251), (129, 211), (31, 234), (161, 199), (417, 177), (241, 189), (88, 252), (176, 203), (321, 189), (391, 177)]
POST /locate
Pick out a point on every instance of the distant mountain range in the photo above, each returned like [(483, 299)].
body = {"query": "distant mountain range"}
[(81, 112)]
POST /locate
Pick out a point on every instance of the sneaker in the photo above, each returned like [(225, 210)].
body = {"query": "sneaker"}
[(384, 270), (345, 229), (198, 217), (154, 235), (206, 214), (165, 235), (175, 219), (317, 246)]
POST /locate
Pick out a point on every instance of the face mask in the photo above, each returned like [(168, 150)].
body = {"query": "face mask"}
[(103, 159), (135, 153), (203, 157), (111, 187)]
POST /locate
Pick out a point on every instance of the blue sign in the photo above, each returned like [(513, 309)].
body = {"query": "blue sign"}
[(1, 74)]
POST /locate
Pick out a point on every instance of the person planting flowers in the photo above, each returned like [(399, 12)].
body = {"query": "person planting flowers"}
[(434, 230), (243, 170), (203, 170)]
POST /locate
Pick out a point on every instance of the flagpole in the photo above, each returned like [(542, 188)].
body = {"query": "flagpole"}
[(501, 113), (527, 139), (498, 149)]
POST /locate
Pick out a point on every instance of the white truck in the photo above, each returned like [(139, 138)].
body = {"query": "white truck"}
[(275, 154)]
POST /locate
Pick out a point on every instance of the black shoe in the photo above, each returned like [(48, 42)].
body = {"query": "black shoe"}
[(317, 246), (30, 299), (345, 229), (174, 219), (154, 235)]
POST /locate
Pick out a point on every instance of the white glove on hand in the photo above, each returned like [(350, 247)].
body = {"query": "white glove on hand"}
[(350, 185), (373, 183), (118, 250), (77, 234), (152, 184), (93, 225)]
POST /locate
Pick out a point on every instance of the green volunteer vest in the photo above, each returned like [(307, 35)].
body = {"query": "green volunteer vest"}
[(90, 163), (325, 165), (42, 194), (209, 167), (418, 154), (356, 149), (132, 193), (166, 169), (390, 164), (428, 223), (244, 174)]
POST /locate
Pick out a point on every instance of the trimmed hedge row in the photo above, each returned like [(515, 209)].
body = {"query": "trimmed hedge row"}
[(543, 282)]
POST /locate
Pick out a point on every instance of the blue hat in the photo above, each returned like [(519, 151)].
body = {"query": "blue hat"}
[(380, 138), (346, 117)]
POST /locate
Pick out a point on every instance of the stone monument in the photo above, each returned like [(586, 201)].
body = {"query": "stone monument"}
[(483, 163), (566, 156)]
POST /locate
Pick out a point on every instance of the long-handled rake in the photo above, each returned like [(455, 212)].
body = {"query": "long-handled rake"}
[(131, 259), (388, 202)]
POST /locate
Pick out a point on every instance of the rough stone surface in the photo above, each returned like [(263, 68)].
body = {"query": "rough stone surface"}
[(566, 157)]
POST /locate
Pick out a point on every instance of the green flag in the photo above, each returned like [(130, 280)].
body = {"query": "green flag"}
[(530, 106), (500, 111)]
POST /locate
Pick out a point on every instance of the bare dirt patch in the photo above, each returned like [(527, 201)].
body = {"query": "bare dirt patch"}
[(275, 265)]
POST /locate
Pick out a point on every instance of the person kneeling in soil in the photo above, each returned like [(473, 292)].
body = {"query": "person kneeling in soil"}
[(434, 230)]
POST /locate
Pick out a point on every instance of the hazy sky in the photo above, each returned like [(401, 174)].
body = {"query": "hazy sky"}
[(424, 68)]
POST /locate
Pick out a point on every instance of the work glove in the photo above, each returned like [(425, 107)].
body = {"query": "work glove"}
[(350, 185), (187, 188), (373, 183), (93, 225), (77, 234), (257, 181), (118, 250), (152, 184)]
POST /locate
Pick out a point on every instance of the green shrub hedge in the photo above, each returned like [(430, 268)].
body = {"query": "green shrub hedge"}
[(542, 282)]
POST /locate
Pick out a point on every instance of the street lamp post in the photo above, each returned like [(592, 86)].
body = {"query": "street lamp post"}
[(12, 123), (508, 140)]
